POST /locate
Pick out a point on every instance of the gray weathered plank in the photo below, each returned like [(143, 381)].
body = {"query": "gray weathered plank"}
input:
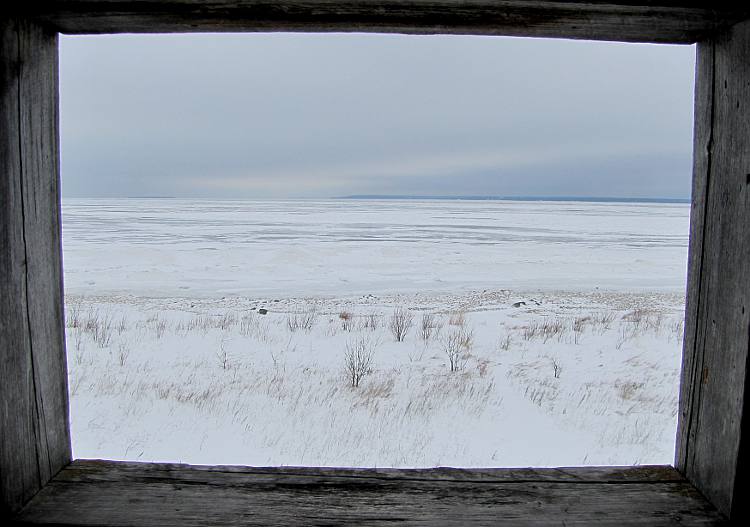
[(714, 425), (34, 430), (674, 21), (103, 470), (110, 493)]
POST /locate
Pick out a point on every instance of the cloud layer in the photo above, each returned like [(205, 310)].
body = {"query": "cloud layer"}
[(299, 115)]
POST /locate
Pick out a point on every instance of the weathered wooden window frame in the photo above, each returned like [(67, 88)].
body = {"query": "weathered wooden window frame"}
[(39, 482)]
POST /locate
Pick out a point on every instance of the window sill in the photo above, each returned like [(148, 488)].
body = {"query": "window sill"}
[(124, 493)]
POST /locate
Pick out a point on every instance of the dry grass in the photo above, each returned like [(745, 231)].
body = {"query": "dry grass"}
[(457, 318), (347, 320), (277, 399), (504, 343), (302, 321)]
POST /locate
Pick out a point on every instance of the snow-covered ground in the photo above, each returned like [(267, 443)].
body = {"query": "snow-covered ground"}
[(562, 321)]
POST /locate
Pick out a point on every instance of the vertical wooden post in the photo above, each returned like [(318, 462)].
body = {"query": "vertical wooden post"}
[(714, 435), (34, 424)]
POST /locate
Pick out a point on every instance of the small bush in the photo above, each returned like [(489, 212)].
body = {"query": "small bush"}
[(556, 368), (455, 345), (358, 360), (371, 321), (430, 326), (400, 323)]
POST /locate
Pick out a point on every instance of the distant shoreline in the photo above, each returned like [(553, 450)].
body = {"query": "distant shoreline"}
[(601, 199)]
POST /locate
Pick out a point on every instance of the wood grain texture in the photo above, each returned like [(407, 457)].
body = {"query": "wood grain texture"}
[(634, 21), (110, 493), (34, 435), (103, 470), (714, 430)]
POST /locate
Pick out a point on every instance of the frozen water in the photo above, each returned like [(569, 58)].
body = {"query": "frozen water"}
[(298, 248)]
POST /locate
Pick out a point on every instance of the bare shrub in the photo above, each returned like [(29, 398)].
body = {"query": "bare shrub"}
[(358, 359), (371, 321), (223, 357), (556, 368), (400, 323), (347, 320), (429, 327), (504, 343), (455, 345), (304, 321)]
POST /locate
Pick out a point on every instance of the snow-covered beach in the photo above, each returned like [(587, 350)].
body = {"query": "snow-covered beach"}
[(219, 331)]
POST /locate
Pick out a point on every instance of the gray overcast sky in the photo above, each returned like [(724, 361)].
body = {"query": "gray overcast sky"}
[(299, 115)]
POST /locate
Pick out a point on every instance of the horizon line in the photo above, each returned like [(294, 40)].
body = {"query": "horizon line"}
[(406, 197)]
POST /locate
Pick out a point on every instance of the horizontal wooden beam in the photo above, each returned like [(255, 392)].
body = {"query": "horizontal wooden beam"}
[(112, 493), (661, 21)]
